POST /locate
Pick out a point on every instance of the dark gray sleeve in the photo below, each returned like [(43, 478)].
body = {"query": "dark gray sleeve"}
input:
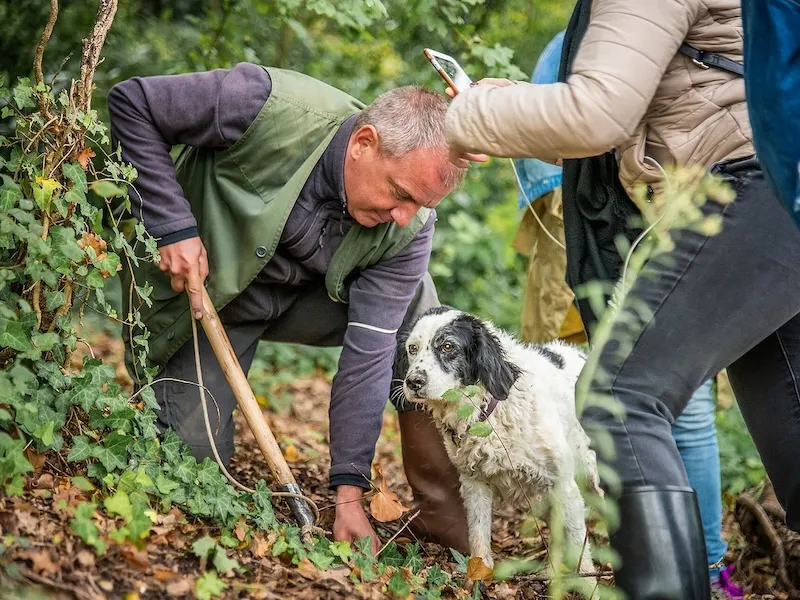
[(150, 115), (379, 299)]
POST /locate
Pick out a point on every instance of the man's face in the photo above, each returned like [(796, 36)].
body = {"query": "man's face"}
[(381, 189)]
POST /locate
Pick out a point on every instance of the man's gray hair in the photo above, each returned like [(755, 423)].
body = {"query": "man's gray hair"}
[(409, 118)]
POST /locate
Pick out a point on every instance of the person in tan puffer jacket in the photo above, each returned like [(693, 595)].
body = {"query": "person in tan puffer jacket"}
[(729, 300)]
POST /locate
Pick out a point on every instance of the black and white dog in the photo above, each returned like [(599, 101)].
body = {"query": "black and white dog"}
[(527, 395)]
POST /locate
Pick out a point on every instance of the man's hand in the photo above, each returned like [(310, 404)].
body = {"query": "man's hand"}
[(463, 159), (186, 263), (351, 522)]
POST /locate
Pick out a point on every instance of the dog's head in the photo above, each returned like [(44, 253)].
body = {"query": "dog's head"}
[(447, 349)]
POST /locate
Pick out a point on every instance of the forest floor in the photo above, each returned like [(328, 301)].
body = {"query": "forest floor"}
[(63, 567)]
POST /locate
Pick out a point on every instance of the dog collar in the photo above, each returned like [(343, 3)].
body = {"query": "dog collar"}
[(488, 409)]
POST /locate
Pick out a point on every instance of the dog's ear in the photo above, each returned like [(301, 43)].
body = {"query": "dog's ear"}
[(490, 365), (401, 364)]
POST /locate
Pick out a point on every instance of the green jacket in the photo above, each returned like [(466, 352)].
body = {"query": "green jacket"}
[(242, 197)]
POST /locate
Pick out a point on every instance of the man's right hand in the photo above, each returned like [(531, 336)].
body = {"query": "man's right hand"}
[(186, 263)]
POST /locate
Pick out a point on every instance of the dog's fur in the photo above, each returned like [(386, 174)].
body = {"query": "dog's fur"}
[(537, 445)]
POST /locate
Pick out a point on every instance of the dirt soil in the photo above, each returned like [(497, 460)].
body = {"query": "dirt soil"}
[(63, 567)]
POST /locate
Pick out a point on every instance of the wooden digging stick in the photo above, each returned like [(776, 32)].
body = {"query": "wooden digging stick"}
[(252, 412)]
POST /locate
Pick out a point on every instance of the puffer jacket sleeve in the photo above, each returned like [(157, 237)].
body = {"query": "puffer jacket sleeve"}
[(623, 56)]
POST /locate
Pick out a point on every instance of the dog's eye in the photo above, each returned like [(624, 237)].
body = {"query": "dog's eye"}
[(413, 349), (447, 347)]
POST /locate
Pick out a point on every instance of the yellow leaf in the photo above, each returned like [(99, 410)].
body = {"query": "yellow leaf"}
[(48, 185), (291, 454), (385, 506), (478, 571)]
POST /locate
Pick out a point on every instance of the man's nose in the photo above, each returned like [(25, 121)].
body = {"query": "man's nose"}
[(416, 381), (402, 215)]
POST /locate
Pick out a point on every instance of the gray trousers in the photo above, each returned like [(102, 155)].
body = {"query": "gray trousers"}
[(313, 319), (730, 300)]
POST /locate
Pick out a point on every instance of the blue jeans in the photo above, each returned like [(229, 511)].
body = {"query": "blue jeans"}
[(696, 437), (772, 79)]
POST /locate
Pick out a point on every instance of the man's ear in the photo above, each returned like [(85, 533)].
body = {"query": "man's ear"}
[(489, 364), (364, 140)]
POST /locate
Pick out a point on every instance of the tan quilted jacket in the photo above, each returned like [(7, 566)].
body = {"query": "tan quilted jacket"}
[(630, 90)]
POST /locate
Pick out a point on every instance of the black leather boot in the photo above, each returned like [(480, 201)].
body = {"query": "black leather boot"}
[(661, 545)]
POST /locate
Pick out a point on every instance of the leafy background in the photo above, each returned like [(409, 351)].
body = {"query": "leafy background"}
[(363, 47)]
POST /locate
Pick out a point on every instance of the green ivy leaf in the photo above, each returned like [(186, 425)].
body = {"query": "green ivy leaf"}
[(82, 483), (414, 560), (23, 94), (453, 395), (322, 560), (81, 449), (436, 577), (391, 556), (222, 563), (171, 445), (203, 547), (342, 551), (45, 432), (107, 189), (119, 504), (209, 585), (84, 527), (461, 561), (16, 335), (265, 515), (166, 486), (95, 279), (113, 453), (45, 341), (12, 457), (398, 587), (75, 173), (480, 429), (464, 411), (186, 469), (10, 194), (54, 299)]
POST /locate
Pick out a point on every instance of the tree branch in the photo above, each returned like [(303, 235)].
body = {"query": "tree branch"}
[(48, 31), (92, 45)]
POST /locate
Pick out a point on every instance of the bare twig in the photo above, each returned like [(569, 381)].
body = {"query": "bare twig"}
[(398, 532), (75, 590), (48, 31)]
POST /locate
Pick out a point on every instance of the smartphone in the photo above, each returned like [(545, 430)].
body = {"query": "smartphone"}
[(449, 69)]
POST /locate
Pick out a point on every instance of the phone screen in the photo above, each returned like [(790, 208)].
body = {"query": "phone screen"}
[(451, 68)]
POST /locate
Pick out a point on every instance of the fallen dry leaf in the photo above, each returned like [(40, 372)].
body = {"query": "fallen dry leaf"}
[(86, 558), (478, 571), (84, 156), (138, 558), (45, 482), (180, 588), (239, 531), (385, 506), (503, 591), (42, 561), (291, 454), (105, 585), (164, 574), (259, 546), (308, 570), (36, 459)]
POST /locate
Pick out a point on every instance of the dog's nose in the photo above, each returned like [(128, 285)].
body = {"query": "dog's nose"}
[(416, 381)]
